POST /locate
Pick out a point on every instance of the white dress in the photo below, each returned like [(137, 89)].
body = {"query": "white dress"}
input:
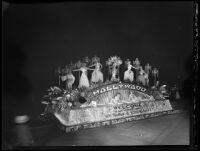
[(97, 75), (83, 82), (128, 74)]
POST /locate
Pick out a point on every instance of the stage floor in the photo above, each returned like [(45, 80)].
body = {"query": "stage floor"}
[(165, 130)]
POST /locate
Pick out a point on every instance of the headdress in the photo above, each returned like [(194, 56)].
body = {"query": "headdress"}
[(114, 60)]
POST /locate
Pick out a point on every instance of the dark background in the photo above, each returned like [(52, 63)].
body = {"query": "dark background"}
[(39, 37)]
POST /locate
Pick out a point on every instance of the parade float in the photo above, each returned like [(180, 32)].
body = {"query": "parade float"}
[(104, 103)]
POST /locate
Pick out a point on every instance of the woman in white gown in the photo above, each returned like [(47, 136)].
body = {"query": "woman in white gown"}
[(97, 75), (83, 81), (128, 74)]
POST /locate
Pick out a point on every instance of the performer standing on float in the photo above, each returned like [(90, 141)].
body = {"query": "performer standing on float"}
[(114, 72), (141, 78), (147, 70), (70, 78), (128, 74), (146, 78), (97, 75), (136, 64), (119, 62), (115, 62), (63, 77), (155, 75), (78, 65), (83, 81), (109, 63), (110, 70)]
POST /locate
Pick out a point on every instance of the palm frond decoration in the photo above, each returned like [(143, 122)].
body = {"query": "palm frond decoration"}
[(114, 60)]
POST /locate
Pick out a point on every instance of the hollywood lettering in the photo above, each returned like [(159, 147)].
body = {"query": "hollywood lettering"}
[(117, 87)]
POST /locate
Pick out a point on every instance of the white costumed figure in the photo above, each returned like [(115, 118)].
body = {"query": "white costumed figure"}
[(83, 81), (115, 62), (97, 75), (137, 62), (70, 79), (128, 74), (147, 68), (141, 77), (137, 67)]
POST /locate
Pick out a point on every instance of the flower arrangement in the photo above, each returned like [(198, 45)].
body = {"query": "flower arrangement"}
[(60, 98), (114, 60), (53, 92)]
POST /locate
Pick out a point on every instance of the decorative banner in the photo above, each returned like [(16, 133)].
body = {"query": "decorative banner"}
[(127, 93), (108, 112), (114, 121), (116, 86)]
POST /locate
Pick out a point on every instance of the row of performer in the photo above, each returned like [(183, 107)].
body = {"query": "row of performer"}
[(133, 72)]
